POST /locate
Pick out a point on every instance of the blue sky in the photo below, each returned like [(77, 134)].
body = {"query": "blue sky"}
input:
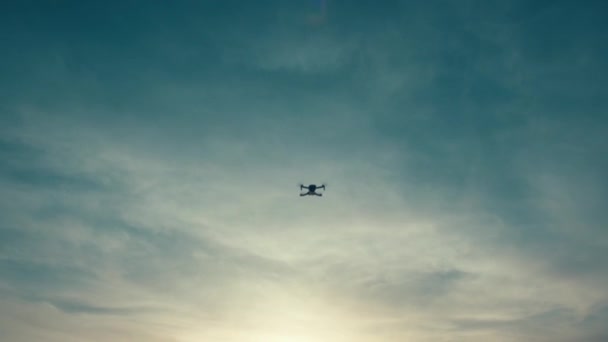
[(150, 153)]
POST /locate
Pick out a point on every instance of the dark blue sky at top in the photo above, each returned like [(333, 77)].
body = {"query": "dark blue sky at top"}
[(493, 67)]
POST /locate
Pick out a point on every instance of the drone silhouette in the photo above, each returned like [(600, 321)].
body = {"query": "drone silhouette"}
[(311, 190)]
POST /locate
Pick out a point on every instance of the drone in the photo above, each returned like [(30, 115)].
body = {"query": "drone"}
[(311, 190)]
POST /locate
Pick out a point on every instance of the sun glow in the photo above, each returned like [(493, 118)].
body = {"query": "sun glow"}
[(284, 318)]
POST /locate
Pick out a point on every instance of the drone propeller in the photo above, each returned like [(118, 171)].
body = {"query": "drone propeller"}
[(323, 185)]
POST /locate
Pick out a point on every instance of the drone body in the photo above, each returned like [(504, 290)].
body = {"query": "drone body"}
[(311, 190)]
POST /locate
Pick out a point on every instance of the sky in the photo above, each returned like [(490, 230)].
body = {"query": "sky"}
[(151, 151)]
